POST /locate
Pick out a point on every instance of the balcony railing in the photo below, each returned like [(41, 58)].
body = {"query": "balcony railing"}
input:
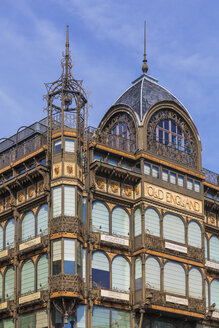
[(22, 150), (111, 140), (211, 177)]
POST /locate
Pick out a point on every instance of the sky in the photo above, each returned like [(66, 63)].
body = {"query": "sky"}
[(106, 43)]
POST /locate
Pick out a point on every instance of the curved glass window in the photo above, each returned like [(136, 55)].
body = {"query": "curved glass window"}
[(9, 284), (9, 234), (152, 222), (120, 222), (100, 217), (27, 278), (152, 273), (1, 238), (42, 272), (174, 228), (120, 274), (215, 293), (194, 234), (174, 278), (42, 220), (1, 288), (28, 226), (214, 248), (137, 222), (100, 270), (195, 283), (138, 274)]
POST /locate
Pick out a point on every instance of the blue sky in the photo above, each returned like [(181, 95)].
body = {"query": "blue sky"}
[(106, 42)]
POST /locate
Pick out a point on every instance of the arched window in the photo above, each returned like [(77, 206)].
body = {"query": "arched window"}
[(152, 222), (152, 273), (120, 274), (194, 234), (137, 222), (174, 228), (9, 234), (1, 288), (42, 220), (174, 278), (120, 222), (27, 278), (42, 272), (100, 269), (100, 217), (1, 238), (9, 284), (206, 247), (28, 226), (215, 293), (195, 283), (138, 274), (214, 248)]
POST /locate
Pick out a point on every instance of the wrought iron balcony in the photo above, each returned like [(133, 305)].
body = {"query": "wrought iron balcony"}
[(65, 223), (66, 282), (211, 177)]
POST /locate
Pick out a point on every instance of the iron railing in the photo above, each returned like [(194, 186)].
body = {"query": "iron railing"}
[(211, 177)]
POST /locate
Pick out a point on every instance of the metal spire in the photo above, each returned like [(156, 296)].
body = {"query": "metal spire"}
[(145, 66), (67, 53)]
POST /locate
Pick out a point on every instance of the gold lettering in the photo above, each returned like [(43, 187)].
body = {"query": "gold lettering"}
[(168, 197), (150, 191), (160, 194)]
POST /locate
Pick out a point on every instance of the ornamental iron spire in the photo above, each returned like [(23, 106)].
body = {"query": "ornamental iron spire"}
[(145, 66)]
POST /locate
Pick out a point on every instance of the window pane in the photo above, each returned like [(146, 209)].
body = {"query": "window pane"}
[(42, 273), (100, 217), (138, 274), (57, 201), (41, 319), (8, 323), (9, 284), (79, 258), (9, 234), (152, 273), (42, 220), (69, 200), (214, 248), (197, 186), (194, 234), (152, 222), (155, 171), (206, 248), (195, 283), (165, 175), (69, 256), (120, 274), (100, 317), (215, 293), (98, 157), (84, 264), (172, 177), (27, 278), (81, 316), (120, 319), (57, 146), (174, 279), (137, 222), (112, 161), (1, 289), (173, 126), (28, 226), (207, 294), (120, 222), (84, 210), (189, 184), (79, 204), (27, 320), (100, 270), (147, 169), (180, 180), (174, 228), (57, 255), (70, 145), (1, 238)]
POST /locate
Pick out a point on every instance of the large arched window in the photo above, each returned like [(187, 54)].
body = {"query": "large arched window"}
[(174, 278), (100, 270), (120, 222), (100, 217), (152, 273), (27, 278), (214, 248), (120, 274), (194, 234), (9, 284), (28, 226), (170, 136), (42, 272), (215, 293), (152, 222), (9, 234), (195, 283), (137, 222), (42, 220), (174, 228), (138, 274)]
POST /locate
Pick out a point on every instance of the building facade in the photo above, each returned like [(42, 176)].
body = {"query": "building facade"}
[(115, 226)]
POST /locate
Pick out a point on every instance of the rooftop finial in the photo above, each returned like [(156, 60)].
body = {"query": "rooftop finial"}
[(67, 52), (145, 66)]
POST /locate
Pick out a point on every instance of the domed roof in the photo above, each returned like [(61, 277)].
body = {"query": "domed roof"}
[(143, 94)]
